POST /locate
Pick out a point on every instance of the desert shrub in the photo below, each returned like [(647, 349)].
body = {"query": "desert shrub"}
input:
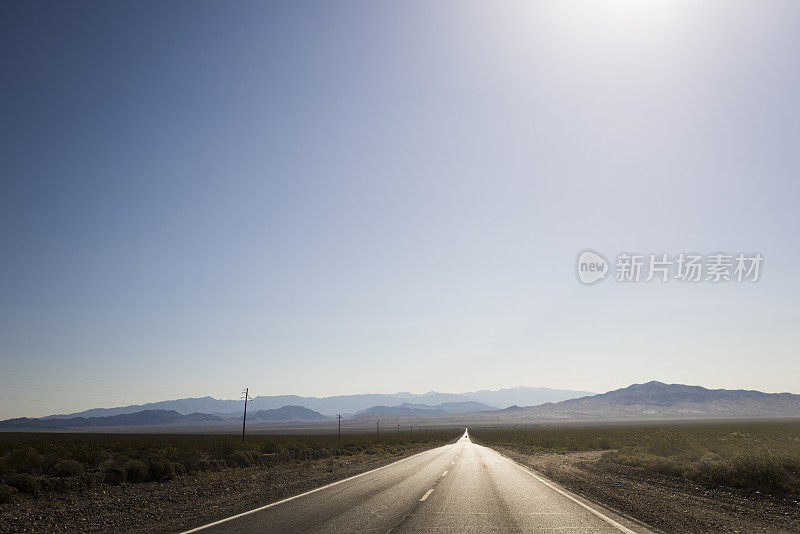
[(222, 450), (65, 468), (25, 460), (24, 483), (161, 469), (242, 458), (136, 471), (85, 452), (603, 443), (669, 442), (7, 493), (115, 473), (754, 469), (195, 461)]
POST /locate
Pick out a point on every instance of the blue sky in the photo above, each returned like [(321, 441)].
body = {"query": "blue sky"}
[(332, 198)]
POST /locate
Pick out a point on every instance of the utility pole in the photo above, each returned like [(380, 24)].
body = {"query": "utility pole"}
[(398, 431), (339, 435), (378, 426), (246, 397)]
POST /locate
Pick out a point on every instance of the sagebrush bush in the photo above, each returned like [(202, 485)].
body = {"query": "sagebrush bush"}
[(7, 493), (161, 469), (194, 461), (24, 483), (242, 458), (115, 473), (136, 471), (65, 468), (25, 460), (669, 442)]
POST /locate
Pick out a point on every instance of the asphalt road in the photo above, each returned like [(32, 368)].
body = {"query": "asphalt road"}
[(462, 487)]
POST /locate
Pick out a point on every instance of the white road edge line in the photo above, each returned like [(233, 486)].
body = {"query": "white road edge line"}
[(602, 516), (427, 494), (309, 492)]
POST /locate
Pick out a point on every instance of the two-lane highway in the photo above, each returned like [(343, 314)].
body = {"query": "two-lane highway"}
[(462, 487)]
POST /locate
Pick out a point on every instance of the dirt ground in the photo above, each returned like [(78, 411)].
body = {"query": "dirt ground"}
[(665, 503)]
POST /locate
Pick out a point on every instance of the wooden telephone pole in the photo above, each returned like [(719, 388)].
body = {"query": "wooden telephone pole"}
[(246, 397), (339, 434)]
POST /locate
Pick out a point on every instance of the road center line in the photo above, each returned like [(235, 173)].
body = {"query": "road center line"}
[(427, 494)]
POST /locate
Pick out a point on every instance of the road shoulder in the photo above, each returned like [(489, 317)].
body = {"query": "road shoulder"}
[(662, 503)]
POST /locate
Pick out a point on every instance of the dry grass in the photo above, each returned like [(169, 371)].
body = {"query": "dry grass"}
[(756, 455)]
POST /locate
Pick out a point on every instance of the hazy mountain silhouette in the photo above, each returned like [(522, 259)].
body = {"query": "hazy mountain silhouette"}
[(286, 413), (143, 418), (400, 410), (658, 400), (426, 409), (652, 400), (345, 404), (524, 396)]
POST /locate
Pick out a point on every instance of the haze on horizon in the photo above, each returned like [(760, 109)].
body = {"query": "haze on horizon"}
[(339, 198)]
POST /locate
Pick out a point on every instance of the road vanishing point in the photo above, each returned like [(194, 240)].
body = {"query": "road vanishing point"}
[(460, 487)]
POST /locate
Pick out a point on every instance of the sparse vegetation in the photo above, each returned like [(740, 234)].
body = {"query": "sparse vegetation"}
[(7, 493), (66, 467), (758, 455), (34, 462), (24, 483)]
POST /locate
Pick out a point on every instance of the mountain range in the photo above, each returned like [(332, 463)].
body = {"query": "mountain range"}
[(143, 418), (649, 401), (285, 413), (654, 400), (160, 418), (425, 409), (344, 404)]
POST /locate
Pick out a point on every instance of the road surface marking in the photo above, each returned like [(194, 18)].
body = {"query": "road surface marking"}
[(427, 494), (254, 510), (602, 516), (443, 474)]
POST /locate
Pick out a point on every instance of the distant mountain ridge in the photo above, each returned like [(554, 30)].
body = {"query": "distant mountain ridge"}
[(286, 413), (426, 409), (143, 418), (345, 404), (159, 418), (659, 400), (651, 400)]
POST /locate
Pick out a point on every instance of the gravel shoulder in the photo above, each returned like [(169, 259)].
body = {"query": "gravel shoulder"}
[(182, 503), (664, 503)]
